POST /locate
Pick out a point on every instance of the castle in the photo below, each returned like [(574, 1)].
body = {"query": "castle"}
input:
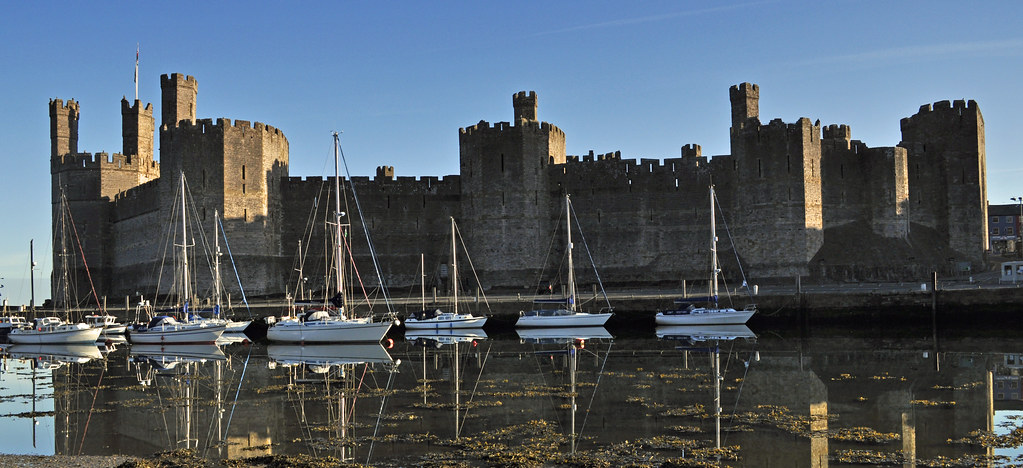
[(799, 199)]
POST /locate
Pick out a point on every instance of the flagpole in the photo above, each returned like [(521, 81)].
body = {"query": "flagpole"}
[(136, 71)]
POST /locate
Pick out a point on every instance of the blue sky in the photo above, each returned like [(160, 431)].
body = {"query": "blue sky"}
[(400, 78)]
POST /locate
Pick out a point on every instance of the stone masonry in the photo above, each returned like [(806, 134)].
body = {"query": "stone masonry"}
[(796, 199)]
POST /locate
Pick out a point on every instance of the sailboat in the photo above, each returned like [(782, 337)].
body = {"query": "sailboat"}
[(331, 324), (711, 313), (565, 313), (52, 329), (437, 319), (165, 329), (107, 324), (233, 326)]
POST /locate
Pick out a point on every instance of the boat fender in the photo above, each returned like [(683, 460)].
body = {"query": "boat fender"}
[(397, 322), (390, 343)]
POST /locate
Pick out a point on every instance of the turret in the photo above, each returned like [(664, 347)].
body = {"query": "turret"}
[(179, 94), (525, 106), (137, 130), (63, 127), (745, 99)]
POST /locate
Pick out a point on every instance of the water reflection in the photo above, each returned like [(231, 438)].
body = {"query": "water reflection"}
[(324, 383), (779, 397)]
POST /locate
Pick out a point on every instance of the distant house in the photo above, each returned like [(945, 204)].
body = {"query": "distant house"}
[(1003, 227)]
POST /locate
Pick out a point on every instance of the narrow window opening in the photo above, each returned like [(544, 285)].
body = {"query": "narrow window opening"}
[(243, 188), (841, 171), (788, 163), (388, 202), (502, 163), (243, 172), (760, 169)]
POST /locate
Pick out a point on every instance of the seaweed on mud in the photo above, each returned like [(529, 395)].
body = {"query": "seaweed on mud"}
[(863, 434)]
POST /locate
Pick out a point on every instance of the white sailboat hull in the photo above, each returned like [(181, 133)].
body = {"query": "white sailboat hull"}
[(73, 352), (704, 316), (563, 334), (446, 321), (705, 332), (328, 354), (237, 327), (178, 334), (328, 331), (577, 319), (68, 333)]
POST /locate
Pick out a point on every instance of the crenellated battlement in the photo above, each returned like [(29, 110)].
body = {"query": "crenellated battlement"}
[(613, 156), (743, 90), (204, 126), (407, 184), (134, 106), (486, 128), (103, 161), (385, 172), (177, 78), (692, 150), (70, 105), (837, 132), (953, 108)]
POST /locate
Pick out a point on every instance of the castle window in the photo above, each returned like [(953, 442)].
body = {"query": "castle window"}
[(502, 163), (246, 215), (760, 171), (788, 163), (243, 172), (841, 171), (243, 188)]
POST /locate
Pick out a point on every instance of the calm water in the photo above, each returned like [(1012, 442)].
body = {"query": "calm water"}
[(788, 397)]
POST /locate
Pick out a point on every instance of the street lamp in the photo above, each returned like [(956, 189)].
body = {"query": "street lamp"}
[(1019, 224)]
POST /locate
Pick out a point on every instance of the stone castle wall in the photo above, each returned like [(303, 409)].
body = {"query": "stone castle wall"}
[(791, 194)]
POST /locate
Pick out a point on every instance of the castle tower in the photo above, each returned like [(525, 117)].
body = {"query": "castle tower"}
[(179, 94), (745, 99), (63, 127), (947, 164), (137, 130), (506, 202), (525, 106), (777, 193)]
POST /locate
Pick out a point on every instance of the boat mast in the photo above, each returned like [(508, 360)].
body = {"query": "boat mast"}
[(184, 248), (454, 267), (571, 268), (713, 251), (338, 214), (32, 274), (216, 262), (422, 281)]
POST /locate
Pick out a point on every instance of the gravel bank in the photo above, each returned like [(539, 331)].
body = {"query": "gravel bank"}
[(62, 461)]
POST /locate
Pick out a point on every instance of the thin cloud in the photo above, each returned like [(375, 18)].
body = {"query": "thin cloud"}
[(649, 19), (937, 51)]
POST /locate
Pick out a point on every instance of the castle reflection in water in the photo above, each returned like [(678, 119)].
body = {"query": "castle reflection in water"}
[(788, 398)]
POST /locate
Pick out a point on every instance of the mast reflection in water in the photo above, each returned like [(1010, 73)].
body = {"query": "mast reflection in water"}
[(787, 397)]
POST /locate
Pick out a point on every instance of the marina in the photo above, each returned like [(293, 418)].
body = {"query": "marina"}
[(791, 396)]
